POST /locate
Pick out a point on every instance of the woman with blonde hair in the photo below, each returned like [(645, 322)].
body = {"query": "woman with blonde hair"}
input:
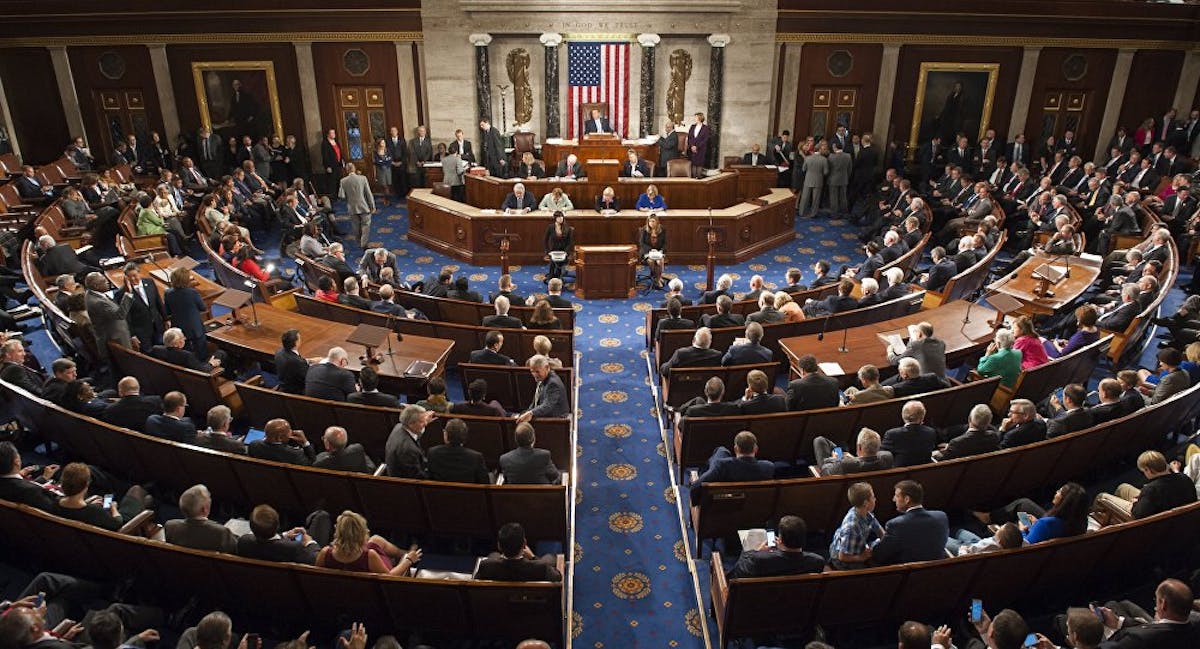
[(556, 201), (785, 304), (652, 247), (651, 201), (354, 548), (542, 347)]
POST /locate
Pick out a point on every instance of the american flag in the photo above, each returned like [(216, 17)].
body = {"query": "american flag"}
[(598, 72)]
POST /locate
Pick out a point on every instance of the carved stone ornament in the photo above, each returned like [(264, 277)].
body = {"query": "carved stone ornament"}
[(681, 71)]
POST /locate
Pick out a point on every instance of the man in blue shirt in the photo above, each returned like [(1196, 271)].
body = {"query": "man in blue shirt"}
[(851, 547)]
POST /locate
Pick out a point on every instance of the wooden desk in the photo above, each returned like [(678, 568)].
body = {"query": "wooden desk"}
[(717, 191), (463, 232), (209, 290), (317, 336), (1021, 283), (962, 339), (605, 271), (557, 150)]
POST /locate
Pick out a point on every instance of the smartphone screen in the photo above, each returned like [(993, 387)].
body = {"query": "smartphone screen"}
[(976, 610), (1031, 640), (39, 600), (771, 538), (837, 453), (1025, 519), (251, 641), (108, 500), (299, 536)]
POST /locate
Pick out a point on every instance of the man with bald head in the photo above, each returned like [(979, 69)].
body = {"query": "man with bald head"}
[(330, 379), (282, 444), (1168, 628), (341, 456), (131, 409), (698, 354)]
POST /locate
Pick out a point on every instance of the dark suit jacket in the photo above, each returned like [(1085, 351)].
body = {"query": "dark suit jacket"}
[(735, 469), (1026, 433), (766, 315), (59, 260), (373, 399), (918, 385), (1156, 635), (918, 534), (589, 126), (710, 297), (176, 430), (286, 452), (702, 408), (812, 392), (457, 464), (559, 302), (762, 404), (1164, 492), (853, 464), (747, 354), (292, 370), (683, 301), (774, 563), (929, 352), (910, 445), (1068, 422), (181, 357), (466, 153), (528, 466), (277, 549), (145, 318), (351, 458), (1105, 412), (403, 456), (486, 356), (132, 412), (1119, 318), (338, 266), (27, 492), (718, 320), (551, 398), (972, 442), (200, 535), (627, 169), (502, 322), (525, 202), (219, 442), (576, 170), (499, 568), (672, 323), (328, 381), (691, 356)]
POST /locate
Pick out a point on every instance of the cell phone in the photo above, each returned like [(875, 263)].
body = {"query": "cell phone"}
[(252, 640), (1025, 519), (976, 611), (108, 500), (771, 537), (1031, 640), (39, 600), (838, 453), (299, 536), (1096, 606)]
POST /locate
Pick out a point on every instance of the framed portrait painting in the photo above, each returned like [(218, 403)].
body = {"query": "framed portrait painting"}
[(238, 98), (953, 98)]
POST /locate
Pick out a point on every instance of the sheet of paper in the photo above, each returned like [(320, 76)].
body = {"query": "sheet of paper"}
[(832, 369)]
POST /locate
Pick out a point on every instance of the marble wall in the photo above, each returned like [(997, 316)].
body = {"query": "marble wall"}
[(749, 57)]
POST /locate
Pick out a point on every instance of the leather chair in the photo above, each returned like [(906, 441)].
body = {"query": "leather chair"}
[(679, 168)]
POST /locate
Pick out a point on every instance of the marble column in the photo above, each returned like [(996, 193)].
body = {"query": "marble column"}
[(1112, 104), (314, 131), (410, 115), (887, 92), (786, 118), (553, 110), (6, 121), (1189, 78), (483, 78), (1020, 114), (66, 90), (716, 96), (166, 91), (646, 97)]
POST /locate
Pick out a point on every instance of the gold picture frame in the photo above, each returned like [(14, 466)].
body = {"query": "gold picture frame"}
[(213, 80), (937, 77)]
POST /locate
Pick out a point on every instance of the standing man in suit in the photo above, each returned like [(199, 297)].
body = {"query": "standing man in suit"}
[(550, 396), (454, 169), (780, 151), (515, 561), (208, 152), (333, 159), (813, 389), (597, 124), (453, 461), (360, 203), (109, 319), (697, 145), (526, 464), (146, 313), (930, 352), (420, 150), (917, 534), (740, 466), (329, 379), (398, 151), (840, 164), (668, 147), (340, 456), (816, 169), (866, 163), (696, 355), (491, 153), (461, 146), (402, 451)]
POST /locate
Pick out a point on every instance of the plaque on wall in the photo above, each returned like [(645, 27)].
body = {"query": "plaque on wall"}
[(839, 63), (1075, 67), (112, 65), (356, 62)]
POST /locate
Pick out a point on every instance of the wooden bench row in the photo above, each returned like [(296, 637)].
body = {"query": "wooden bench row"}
[(512, 387), (395, 504), (682, 384), (740, 307), (312, 596), (1136, 331), (968, 281), (975, 482), (938, 589)]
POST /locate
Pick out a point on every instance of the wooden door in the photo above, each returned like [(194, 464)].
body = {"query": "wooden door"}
[(831, 105), (122, 111), (1062, 111), (362, 121)]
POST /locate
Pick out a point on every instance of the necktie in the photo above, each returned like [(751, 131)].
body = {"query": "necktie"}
[(1016, 152), (141, 291), (1175, 211), (537, 394)]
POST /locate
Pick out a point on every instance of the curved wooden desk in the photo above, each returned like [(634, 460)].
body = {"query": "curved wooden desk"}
[(464, 232)]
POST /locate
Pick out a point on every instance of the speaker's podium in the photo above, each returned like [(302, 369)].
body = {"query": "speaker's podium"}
[(605, 271)]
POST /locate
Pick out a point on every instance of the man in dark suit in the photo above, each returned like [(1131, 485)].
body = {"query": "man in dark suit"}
[(914, 442), (453, 461), (634, 167), (527, 464), (751, 352), (739, 466), (813, 389), (1023, 426), (1119, 317), (675, 292), (402, 452), (282, 444), (31, 189), (16, 484), (196, 530), (673, 320), (369, 394), (290, 367), (461, 146), (1169, 628), (173, 351), (550, 396), (979, 437), (490, 354), (570, 167), (724, 284), (501, 319), (554, 295), (723, 318), (758, 399), (909, 380), (339, 456), (767, 313), (217, 436), (668, 147), (917, 534), (597, 123), (515, 561), (462, 291), (131, 409), (330, 379), (712, 404), (785, 557), (397, 150), (266, 542), (491, 152), (146, 315), (172, 424), (755, 157), (780, 151), (336, 260), (56, 259), (385, 303), (940, 272), (1110, 406), (843, 301), (1018, 150), (697, 354), (519, 201), (333, 159), (1164, 489), (1073, 416)]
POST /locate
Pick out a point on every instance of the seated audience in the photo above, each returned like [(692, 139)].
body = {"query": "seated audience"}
[(131, 409), (515, 561), (751, 352), (477, 403), (698, 354), (916, 534), (355, 549), (1022, 425), (871, 392), (435, 398), (1164, 489), (1074, 415), (739, 466), (1000, 359), (1067, 515), (979, 437), (172, 424), (914, 442), (673, 320), (329, 379), (490, 354), (453, 461), (1110, 406), (290, 367), (282, 444), (859, 530), (712, 404), (217, 436), (964, 542), (929, 351), (867, 455), (550, 396), (368, 393), (767, 313), (543, 316), (785, 557), (723, 317), (75, 504), (501, 320), (402, 452), (527, 464), (758, 399), (267, 543), (195, 530), (910, 381), (340, 456), (813, 389), (1029, 343)]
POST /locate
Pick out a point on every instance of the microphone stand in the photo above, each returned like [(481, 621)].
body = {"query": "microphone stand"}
[(824, 327), (253, 308), (845, 334)]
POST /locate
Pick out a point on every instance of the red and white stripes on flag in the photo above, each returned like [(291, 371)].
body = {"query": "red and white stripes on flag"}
[(598, 72)]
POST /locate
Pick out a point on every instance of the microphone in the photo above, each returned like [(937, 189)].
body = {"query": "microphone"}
[(845, 335), (1066, 260), (824, 326)]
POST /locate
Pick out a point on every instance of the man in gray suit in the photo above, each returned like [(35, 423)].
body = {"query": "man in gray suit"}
[(668, 147), (816, 169), (360, 203), (840, 163), (420, 150), (453, 168), (526, 464), (197, 531), (550, 397), (108, 318), (930, 352), (974, 210)]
